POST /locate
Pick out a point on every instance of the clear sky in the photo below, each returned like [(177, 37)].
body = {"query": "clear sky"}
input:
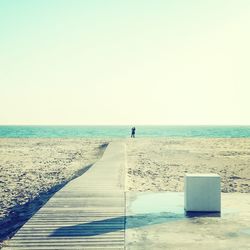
[(125, 62)]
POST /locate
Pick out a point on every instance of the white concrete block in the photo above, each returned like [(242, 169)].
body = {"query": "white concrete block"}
[(202, 193)]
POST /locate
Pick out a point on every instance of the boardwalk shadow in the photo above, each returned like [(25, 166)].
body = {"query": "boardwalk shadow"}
[(20, 214), (94, 228)]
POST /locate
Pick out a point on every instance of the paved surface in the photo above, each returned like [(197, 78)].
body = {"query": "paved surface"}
[(157, 221), (88, 213)]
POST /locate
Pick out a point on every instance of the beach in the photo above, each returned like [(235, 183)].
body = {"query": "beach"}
[(29, 167), (159, 164), (31, 170)]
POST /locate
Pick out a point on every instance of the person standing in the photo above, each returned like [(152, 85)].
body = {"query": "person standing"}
[(133, 132)]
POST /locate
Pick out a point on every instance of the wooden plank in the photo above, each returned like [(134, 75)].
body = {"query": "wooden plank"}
[(88, 213)]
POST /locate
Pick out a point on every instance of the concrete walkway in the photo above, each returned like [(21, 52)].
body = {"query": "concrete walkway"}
[(88, 213)]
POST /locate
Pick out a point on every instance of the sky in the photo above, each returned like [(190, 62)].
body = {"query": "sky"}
[(113, 62)]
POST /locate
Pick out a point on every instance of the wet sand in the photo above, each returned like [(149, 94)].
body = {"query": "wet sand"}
[(160, 164)]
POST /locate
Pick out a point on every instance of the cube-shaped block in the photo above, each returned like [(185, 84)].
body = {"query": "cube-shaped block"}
[(202, 193)]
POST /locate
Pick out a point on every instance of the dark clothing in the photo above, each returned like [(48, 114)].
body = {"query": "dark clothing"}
[(133, 132)]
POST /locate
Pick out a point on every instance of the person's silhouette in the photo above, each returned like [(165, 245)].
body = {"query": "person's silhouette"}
[(133, 132)]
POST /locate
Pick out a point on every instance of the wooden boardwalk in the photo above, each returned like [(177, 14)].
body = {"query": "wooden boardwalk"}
[(88, 213)]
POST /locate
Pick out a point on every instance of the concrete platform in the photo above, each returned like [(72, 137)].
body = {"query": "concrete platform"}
[(158, 221)]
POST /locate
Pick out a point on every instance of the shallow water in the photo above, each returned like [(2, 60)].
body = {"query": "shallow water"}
[(123, 131)]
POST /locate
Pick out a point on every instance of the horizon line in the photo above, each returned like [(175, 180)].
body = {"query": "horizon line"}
[(124, 124)]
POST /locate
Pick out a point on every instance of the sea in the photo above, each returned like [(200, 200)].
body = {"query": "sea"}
[(123, 131)]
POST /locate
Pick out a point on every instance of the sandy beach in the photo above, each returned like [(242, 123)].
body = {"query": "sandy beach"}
[(29, 167), (160, 164), (32, 169)]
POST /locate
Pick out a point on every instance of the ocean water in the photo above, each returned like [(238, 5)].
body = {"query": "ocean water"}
[(123, 131)]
